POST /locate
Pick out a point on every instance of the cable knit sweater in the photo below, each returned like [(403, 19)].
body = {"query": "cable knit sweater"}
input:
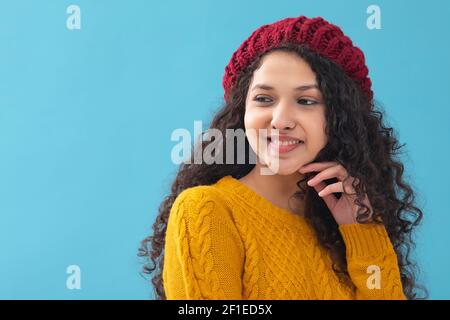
[(225, 241)]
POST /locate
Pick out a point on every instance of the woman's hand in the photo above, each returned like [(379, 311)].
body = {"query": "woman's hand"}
[(344, 209)]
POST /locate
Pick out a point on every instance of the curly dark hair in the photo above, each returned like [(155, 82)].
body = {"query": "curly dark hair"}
[(357, 138)]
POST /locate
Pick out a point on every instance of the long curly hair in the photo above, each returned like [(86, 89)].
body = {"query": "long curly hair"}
[(357, 138)]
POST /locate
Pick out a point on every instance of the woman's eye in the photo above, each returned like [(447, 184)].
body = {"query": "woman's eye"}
[(261, 99), (307, 102)]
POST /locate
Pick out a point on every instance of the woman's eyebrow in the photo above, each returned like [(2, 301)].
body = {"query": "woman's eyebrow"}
[(299, 88)]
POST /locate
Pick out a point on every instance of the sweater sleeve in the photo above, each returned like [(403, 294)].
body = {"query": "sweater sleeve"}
[(204, 253), (372, 262)]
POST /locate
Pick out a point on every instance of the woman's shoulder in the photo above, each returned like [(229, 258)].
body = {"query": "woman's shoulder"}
[(204, 207), (201, 195)]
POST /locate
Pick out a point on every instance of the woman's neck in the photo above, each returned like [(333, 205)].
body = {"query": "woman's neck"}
[(276, 188)]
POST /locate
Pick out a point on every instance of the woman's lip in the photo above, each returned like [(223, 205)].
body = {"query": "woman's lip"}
[(283, 149)]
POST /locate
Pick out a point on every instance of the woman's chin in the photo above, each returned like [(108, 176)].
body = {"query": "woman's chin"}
[(284, 169), (281, 166)]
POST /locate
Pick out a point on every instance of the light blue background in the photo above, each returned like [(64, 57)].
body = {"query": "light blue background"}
[(86, 118)]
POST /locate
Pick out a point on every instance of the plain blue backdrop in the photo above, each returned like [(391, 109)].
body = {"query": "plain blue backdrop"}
[(86, 117)]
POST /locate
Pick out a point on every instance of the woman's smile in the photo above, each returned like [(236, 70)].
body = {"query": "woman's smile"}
[(283, 144)]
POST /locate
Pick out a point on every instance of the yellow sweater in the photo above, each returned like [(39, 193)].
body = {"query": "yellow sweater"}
[(225, 241)]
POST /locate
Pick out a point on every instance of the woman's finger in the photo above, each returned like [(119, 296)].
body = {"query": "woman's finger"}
[(331, 188), (332, 172), (316, 166), (330, 200)]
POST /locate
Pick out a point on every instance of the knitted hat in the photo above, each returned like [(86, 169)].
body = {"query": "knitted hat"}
[(317, 34)]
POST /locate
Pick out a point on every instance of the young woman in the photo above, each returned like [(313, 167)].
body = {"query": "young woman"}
[(330, 218)]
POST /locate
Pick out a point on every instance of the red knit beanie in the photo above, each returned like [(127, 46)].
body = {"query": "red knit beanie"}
[(317, 34)]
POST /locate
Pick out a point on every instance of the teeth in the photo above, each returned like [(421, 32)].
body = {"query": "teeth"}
[(285, 143)]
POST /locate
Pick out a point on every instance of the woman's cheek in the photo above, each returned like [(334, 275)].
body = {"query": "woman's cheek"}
[(250, 131)]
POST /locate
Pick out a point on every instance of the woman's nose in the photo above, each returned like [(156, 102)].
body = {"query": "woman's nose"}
[(282, 118)]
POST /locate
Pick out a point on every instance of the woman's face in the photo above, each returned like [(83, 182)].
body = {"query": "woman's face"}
[(283, 98)]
